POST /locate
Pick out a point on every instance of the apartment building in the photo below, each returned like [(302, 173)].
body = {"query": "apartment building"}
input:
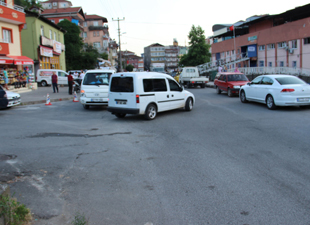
[(154, 53), (281, 40)]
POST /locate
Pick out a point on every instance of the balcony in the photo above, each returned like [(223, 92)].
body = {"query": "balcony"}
[(12, 13), (91, 28), (4, 48)]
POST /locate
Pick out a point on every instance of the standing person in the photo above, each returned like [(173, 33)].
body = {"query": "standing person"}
[(6, 79), (55, 82), (75, 75), (220, 69), (237, 70), (70, 83), (81, 77)]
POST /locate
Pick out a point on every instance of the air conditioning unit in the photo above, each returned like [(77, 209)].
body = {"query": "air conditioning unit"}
[(291, 51)]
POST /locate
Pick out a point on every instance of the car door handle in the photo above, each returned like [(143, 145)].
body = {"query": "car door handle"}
[(167, 96), (172, 96)]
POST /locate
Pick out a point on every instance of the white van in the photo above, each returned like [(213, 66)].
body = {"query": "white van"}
[(95, 87), (146, 93), (44, 76)]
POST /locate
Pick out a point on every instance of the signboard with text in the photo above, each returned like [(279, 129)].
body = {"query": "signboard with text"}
[(46, 52)]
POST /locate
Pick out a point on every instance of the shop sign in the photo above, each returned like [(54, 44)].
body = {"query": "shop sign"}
[(57, 46), (46, 41), (46, 73), (46, 52), (252, 38)]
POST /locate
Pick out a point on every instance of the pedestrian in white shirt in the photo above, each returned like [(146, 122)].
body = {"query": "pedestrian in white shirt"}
[(81, 77)]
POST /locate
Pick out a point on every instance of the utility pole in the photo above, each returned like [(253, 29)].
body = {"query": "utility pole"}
[(119, 38)]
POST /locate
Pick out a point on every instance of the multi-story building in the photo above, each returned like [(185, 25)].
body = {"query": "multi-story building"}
[(43, 41), (154, 54), (56, 4), (113, 52), (171, 54), (281, 40), (12, 22), (96, 32)]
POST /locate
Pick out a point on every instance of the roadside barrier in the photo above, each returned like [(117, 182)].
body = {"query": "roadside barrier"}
[(48, 100), (75, 99)]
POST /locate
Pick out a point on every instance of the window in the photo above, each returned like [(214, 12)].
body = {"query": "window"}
[(233, 52), (270, 46), (95, 23), (261, 47), (281, 44), (256, 80), (97, 44), (289, 80), (227, 53), (294, 64), (7, 35), (53, 21), (173, 85), (270, 64), (281, 64), (94, 33), (85, 24), (51, 35), (85, 34), (60, 20), (55, 36), (122, 84), (97, 79), (267, 81), (54, 3), (307, 40), (97, 33), (294, 44), (42, 31), (261, 63), (154, 85)]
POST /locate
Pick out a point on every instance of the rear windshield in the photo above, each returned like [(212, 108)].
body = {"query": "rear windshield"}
[(237, 77), (122, 84), (99, 78), (289, 80)]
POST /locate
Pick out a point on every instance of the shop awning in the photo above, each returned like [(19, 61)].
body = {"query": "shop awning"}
[(21, 60), (6, 60)]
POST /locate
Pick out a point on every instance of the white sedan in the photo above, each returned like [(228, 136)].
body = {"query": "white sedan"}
[(276, 90), (14, 98)]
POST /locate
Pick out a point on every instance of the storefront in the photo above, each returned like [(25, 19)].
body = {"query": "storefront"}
[(50, 51), (19, 68)]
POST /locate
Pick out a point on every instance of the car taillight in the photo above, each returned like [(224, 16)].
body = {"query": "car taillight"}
[(137, 99), (287, 90), (193, 82)]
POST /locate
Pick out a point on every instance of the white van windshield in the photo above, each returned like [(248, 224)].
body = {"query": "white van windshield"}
[(99, 78)]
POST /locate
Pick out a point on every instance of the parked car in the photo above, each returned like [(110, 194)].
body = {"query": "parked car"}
[(3, 98), (13, 98), (44, 76), (146, 93), (230, 82), (277, 90)]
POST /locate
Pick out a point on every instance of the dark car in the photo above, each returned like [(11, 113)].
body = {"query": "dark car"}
[(3, 98), (230, 82)]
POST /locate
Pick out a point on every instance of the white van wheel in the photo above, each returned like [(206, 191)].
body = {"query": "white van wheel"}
[(150, 112), (43, 83), (189, 104)]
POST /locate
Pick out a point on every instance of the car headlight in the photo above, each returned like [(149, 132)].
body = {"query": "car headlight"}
[(237, 87)]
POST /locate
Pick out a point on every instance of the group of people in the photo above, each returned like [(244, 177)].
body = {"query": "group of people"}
[(70, 81), (220, 69)]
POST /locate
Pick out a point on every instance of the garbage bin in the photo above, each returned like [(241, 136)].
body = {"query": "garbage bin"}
[(212, 75)]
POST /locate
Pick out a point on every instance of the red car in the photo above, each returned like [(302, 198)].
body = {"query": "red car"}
[(230, 82)]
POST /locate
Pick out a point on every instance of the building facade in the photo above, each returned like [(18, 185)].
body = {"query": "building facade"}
[(56, 4), (12, 21), (281, 40), (154, 53), (43, 41), (96, 32)]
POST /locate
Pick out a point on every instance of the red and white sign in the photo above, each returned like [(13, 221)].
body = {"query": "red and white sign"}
[(22, 60), (5, 60), (46, 51), (46, 41), (57, 46)]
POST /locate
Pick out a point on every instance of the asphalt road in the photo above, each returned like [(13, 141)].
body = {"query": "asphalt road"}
[(222, 163)]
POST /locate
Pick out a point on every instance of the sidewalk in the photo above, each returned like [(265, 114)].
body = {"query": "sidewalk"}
[(38, 96)]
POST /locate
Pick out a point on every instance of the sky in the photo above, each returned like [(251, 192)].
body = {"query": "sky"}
[(161, 21)]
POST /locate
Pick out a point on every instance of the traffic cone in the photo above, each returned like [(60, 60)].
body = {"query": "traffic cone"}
[(48, 100), (75, 99)]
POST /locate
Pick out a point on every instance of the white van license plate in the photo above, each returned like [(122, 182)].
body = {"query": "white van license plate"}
[(96, 100), (121, 102)]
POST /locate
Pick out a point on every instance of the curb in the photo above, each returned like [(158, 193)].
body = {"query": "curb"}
[(44, 101)]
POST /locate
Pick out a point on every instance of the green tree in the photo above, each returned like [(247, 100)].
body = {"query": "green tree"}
[(74, 45), (129, 68), (27, 4), (104, 56), (89, 57), (198, 52)]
